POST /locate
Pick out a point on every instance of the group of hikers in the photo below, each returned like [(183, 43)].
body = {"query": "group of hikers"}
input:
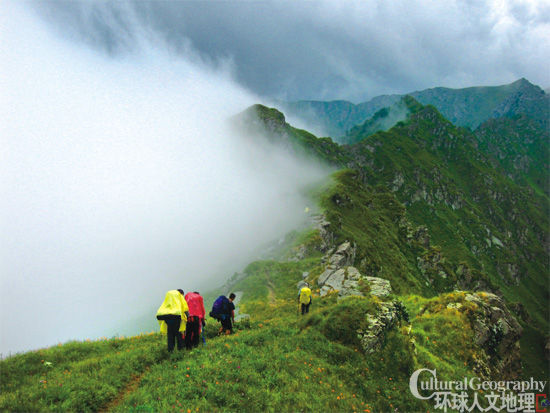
[(182, 316)]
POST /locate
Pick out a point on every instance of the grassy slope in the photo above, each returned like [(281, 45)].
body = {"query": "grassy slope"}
[(433, 156), (279, 360), (276, 361)]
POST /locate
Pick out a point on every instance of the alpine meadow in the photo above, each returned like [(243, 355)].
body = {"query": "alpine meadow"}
[(371, 192)]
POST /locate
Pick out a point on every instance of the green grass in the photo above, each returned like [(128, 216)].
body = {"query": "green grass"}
[(77, 376), (278, 360)]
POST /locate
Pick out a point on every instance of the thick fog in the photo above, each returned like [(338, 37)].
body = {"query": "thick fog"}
[(120, 180)]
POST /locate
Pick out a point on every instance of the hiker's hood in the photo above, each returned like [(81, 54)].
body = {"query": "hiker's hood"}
[(196, 304), (173, 304)]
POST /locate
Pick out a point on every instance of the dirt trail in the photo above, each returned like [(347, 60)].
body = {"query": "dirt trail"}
[(130, 387), (271, 293)]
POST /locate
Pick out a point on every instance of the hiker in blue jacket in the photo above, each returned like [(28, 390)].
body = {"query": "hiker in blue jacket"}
[(223, 310), (228, 316)]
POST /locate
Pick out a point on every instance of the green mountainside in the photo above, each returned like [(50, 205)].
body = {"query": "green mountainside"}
[(382, 120), (428, 249), (520, 147), (483, 222), (336, 117), (468, 107), (472, 106)]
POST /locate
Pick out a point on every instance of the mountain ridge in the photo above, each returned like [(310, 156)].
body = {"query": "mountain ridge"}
[(429, 250), (468, 107)]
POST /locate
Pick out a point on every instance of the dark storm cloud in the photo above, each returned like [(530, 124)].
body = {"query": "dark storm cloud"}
[(329, 50)]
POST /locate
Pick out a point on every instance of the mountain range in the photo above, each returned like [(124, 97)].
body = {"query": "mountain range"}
[(468, 107), (426, 248)]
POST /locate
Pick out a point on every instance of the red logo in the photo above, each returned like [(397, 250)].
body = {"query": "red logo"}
[(542, 403)]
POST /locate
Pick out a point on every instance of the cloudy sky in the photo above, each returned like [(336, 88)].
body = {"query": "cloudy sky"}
[(331, 49), (120, 177)]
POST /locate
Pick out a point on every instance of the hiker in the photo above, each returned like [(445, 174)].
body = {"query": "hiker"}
[(195, 321), (305, 298), (223, 310), (172, 316)]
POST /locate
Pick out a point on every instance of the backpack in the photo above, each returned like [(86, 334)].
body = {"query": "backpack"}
[(219, 307)]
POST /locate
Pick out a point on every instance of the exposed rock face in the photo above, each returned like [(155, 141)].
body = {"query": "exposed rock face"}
[(344, 280), (336, 261), (327, 237), (344, 255), (497, 332), (372, 338), (379, 287), (347, 281), (341, 276)]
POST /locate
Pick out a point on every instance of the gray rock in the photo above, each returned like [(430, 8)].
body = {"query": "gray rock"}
[(324, 290), (497, 332), (325, 276), (379, 287), (336, 260), (344, 256), (346, 282), (372, 337)]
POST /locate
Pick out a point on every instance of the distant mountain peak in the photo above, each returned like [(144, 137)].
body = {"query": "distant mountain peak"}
[(468, 107)]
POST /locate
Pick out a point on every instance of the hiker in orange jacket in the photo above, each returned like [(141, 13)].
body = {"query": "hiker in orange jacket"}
[(196, 319)]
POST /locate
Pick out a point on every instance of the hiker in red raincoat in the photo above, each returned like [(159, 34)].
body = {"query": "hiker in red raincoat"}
[(195, 321)]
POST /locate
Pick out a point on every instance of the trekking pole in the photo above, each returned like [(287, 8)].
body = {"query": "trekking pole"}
[(203, 339)]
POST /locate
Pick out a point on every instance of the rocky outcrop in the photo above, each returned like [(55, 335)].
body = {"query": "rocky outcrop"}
[(372, 337), (379, 287), (431, 265), (327, 237), (344, 280), (496, 331), (349, 281), (341, 276), (343, 256)]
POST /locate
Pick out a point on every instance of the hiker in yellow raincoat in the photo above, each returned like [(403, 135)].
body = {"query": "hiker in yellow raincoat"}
[(305, 298), (172, 316)]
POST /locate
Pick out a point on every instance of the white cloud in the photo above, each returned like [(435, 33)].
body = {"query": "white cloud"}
[(122, 181)]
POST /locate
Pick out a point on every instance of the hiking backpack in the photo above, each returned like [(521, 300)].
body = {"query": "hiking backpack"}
[(219, 307)]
